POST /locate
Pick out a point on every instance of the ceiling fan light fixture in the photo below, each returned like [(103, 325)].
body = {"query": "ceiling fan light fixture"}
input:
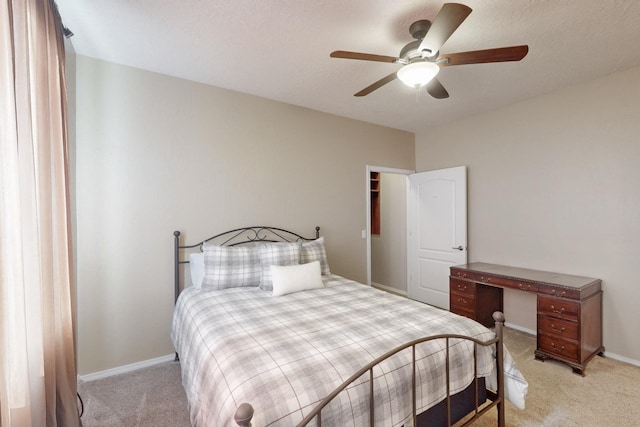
[(418, 74)]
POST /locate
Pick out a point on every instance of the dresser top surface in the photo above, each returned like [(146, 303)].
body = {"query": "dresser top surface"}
[(566, 280)]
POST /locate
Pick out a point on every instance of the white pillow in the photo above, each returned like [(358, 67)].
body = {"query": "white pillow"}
[(294, 278), (196, 266)]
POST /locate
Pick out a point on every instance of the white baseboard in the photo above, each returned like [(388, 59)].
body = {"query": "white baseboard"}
[(124, 369), (622, 358), (389, 289)]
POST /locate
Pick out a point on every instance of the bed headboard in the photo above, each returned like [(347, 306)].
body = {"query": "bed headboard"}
[(239, 236)]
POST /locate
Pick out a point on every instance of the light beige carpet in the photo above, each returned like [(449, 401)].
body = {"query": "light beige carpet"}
[(607, 396), (148, 397)]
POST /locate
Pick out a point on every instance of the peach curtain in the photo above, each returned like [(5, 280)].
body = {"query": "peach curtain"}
[(37, 303)]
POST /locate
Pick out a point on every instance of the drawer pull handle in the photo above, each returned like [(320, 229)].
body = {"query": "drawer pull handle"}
[(462, 300), (462, 287), (557, 330), (557, 311), (558, 294), (462, 274), (524, 287), (485, 279), (559, 349)]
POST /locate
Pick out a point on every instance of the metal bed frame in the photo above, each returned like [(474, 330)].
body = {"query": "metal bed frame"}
[(244, 413), (239, 236)]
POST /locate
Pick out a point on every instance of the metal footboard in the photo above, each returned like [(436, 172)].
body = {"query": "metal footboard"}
[(244, 413)]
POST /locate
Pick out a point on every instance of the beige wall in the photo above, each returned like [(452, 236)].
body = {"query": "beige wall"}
[(389, 248), (157, 154), (554, 184)]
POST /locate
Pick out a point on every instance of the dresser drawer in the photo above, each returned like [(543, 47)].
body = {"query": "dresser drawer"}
[(463, 312), (470, 275), (557, 327), (462, 286), (558, 307), (524, 286), (559, 347), (482, 277), (462, 302), (462, 274), (560, 292)]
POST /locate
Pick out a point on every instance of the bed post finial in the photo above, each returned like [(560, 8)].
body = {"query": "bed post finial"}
[(243, 415), (498, 317), (317, 231)]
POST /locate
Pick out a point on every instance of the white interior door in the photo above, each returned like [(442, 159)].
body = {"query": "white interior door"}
[(437, 232)]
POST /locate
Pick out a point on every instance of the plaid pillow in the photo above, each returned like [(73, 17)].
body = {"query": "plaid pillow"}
[(314, 251), (276, 254), (230, 267)]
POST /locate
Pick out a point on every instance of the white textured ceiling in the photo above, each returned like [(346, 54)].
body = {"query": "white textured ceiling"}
[(279, 49)]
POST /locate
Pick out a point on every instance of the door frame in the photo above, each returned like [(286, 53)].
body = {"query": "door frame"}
[(381, 169)]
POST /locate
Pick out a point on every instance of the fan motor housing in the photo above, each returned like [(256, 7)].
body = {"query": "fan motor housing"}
[(418, 30), (410, 50)]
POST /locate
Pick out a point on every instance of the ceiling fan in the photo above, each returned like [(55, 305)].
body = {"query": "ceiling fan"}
[(421, 59)]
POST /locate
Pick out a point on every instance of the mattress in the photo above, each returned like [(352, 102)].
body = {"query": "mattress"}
[(284, 354)]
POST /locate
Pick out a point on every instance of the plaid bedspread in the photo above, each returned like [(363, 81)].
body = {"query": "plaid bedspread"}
[(285, 354)]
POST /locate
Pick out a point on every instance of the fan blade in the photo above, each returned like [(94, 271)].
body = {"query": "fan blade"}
[(362, 56), (435, 89), (445, 23), (501, 54), (383, 81)]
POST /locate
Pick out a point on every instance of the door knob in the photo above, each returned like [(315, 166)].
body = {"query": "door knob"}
[(460, 248)]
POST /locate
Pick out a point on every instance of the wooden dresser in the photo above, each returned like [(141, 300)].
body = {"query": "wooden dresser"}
[(569, 307)]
